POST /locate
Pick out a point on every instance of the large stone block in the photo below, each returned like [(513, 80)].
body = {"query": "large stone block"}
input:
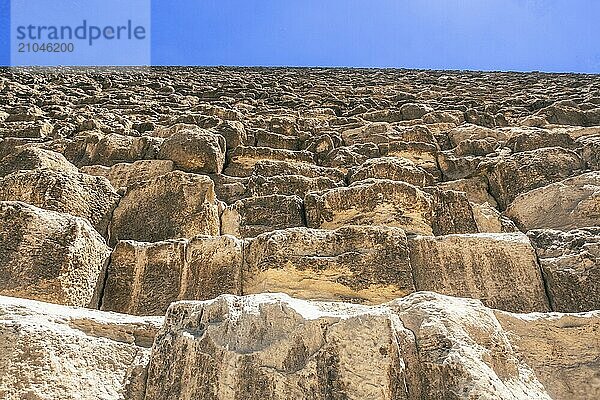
[(81, 195), (512, 175), (274, 347), (421, 154), (270, 346), (371, 202), (49, 256), (568, 204), (124, 174), (197, 151), (95, 148), (358, 264), (145, 278), (269, 168), (26, 158), (255, 215), (174, 205), (463, 353), (288, 185), (501, 270), (392, 168), (562, 349), (56, 352), (571, 266), (244, 158)]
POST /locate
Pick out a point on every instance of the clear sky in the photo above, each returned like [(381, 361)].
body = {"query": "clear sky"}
[(522, 35)]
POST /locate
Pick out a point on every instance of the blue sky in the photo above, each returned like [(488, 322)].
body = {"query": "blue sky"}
[(521, 35)]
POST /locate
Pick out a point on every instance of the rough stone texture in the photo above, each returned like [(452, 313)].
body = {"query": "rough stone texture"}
[(463, 353), (175, 205), (393, 168), (124, 174), (275, 347), (56, 352), (288, 185), (571, 265), (198, 151), (371, 202), (243, 158), (487, 267), (489, 220), (267, 168), (562, 349), (568, 204), (452, 212), (476, 189), (521, 172), (93, 148), (144, 278), (367, 151), (357, 264), (81, 195), (27, 158), (252, 216), (49, 256)]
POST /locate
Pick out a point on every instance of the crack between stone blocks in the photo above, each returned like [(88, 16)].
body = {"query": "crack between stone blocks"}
[(547, 293), (409, 384), (242, 265), (104, 279)]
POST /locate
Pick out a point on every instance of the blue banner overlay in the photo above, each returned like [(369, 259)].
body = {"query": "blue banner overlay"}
[(80, 33)]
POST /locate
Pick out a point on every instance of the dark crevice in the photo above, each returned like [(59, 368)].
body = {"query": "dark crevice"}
[(547, 292)]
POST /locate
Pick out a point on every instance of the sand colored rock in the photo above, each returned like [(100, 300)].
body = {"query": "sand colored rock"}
[(255, 215), (273, 346), (501, 270), (81, 195), (56, 352), (197, 151), (562, 349), (175, 205), (144, 278), (571, 266), (244, 158), (393, 168), (521, 172), (50, 256), (96, 148), (28, 158), (356, 264), (288, 185), (568, 204), (124, 174), (371, 202)]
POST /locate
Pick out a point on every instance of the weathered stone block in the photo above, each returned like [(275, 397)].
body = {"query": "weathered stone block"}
[(27, 158), (274, 347), (562, 349), (358, 264), (145, 278), (255, 215), (501, 270), (81, 195), (175, 205), (521, 172), (124, 174), (568, 204), (371, 202), (571, 266), (49, 256), (56, 352), (197, 151), (392, 168), (244, 158)]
